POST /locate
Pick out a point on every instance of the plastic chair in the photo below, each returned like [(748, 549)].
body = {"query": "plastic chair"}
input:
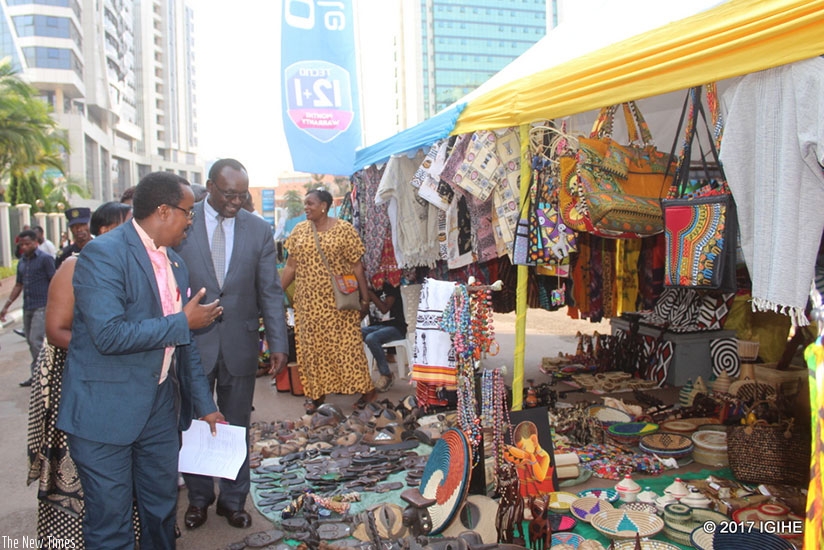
[(404, 348)]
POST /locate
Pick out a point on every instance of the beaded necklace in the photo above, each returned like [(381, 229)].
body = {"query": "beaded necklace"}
[(467, 317)]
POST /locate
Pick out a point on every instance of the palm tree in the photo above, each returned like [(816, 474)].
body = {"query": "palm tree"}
[(61, 189), (293, 203), (29, 138)]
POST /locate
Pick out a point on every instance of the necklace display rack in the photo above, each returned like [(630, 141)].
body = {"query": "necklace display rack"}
[(468, 318)]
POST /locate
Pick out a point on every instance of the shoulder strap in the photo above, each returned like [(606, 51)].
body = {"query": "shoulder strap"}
[(320, 250)]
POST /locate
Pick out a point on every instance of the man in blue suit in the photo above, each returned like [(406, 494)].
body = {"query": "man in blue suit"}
[(133, 376)]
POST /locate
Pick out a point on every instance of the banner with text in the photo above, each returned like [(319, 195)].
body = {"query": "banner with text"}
[(321, 114)]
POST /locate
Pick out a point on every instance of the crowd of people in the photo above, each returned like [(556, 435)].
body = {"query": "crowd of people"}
[(149, 318)]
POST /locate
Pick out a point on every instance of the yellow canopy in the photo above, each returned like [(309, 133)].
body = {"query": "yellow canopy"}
[(732, 39)]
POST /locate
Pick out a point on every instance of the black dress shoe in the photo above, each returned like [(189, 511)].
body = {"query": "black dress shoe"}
[(19, 332), (195, 516), (236, 518), (26, 383)]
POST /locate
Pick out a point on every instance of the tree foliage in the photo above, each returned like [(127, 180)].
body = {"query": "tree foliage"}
[(30, 140), (293, 203)]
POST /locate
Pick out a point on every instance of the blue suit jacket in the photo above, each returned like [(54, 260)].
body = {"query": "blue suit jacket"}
[(119, 334)]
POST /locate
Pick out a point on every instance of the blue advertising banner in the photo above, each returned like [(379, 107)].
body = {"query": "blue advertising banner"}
[(321, 114)]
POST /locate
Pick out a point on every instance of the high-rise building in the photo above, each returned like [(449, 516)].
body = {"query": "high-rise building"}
[(120, 76), (449, 48)]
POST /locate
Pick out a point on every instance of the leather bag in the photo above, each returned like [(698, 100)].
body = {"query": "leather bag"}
[(345, 286)]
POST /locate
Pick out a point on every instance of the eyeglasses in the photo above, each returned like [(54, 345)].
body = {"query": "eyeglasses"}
[(190, 214), (231, 196)]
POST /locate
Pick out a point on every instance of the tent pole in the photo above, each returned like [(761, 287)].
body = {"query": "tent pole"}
[(521, 290)]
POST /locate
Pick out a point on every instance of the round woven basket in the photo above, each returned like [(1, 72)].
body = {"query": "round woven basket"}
[(710, 448), (624, 524), (610, 495), (680, 521), (668, 445), (629, 433), (586, 507)]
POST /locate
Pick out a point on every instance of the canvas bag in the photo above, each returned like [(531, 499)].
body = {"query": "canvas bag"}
[(621, 185), (345, 287), (700, 228)]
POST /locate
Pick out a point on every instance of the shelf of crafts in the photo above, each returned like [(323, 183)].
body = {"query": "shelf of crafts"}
[(691, 350)]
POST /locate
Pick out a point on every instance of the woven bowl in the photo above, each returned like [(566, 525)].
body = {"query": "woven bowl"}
[(608, 415), (624, 524), (628, 433), (586, 507), (742, 540), (666, 444), (646, 544), (610, 495), (710, 448), (571, 539), (560, 501), (680, 521)]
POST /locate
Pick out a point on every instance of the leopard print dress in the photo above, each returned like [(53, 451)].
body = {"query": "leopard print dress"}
[(328, 341)]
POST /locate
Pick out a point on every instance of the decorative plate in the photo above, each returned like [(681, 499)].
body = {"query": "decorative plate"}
[(610, 495), (571, 539), (623, 524), (446, 477), (742, 540), (586, 507), (560, 501)]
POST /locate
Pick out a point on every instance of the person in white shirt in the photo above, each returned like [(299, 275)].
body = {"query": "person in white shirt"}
[(44, 244)]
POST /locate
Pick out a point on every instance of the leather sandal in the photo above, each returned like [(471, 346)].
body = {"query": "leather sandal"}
[(384, 436)]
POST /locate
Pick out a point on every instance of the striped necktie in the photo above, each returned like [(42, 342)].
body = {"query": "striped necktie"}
[(219, 251)]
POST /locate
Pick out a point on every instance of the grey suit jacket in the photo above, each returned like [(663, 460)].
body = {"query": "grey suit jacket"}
[(250, 290)]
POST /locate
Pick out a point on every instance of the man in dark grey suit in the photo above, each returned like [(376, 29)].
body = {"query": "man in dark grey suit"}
[(231, 253)]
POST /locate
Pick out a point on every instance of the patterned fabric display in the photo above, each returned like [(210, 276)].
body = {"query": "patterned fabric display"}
[(724, 356), (481, 170)]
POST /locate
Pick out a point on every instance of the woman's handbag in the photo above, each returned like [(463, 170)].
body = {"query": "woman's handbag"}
[(621, 186), (700, 228), (345, 287)]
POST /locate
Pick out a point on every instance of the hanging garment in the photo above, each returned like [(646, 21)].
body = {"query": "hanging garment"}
[(374, 232), (773, 153), (434, 361)]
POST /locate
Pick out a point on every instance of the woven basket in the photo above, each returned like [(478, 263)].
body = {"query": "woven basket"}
[(748, 350), (767, 456), (623, 524), (628, 433), (670, 445)]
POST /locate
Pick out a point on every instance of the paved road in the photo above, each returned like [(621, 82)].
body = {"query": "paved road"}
[(18, 505)]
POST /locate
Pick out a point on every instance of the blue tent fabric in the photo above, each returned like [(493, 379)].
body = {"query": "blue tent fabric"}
[(420, 135)]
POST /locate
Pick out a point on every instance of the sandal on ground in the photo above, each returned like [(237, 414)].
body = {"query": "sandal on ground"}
[(365, 399)]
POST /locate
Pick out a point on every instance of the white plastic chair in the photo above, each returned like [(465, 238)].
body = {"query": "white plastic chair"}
[(404, 348)]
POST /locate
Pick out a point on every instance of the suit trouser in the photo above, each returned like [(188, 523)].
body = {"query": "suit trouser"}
[(34, 327), (234, 400), (113, 475)]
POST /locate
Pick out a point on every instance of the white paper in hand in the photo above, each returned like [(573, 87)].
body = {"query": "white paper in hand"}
[(218, 456)]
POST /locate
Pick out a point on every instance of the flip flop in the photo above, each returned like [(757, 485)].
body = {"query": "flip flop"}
[(333, 531), (263, 538)]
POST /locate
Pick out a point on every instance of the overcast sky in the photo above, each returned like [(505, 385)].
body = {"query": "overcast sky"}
[(238, 80)]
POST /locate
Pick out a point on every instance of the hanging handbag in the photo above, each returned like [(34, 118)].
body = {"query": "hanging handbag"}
[(345, 287), (621, 186), (700, 228)]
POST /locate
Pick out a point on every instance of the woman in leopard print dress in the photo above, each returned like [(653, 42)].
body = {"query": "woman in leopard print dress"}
[(328, 341)]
